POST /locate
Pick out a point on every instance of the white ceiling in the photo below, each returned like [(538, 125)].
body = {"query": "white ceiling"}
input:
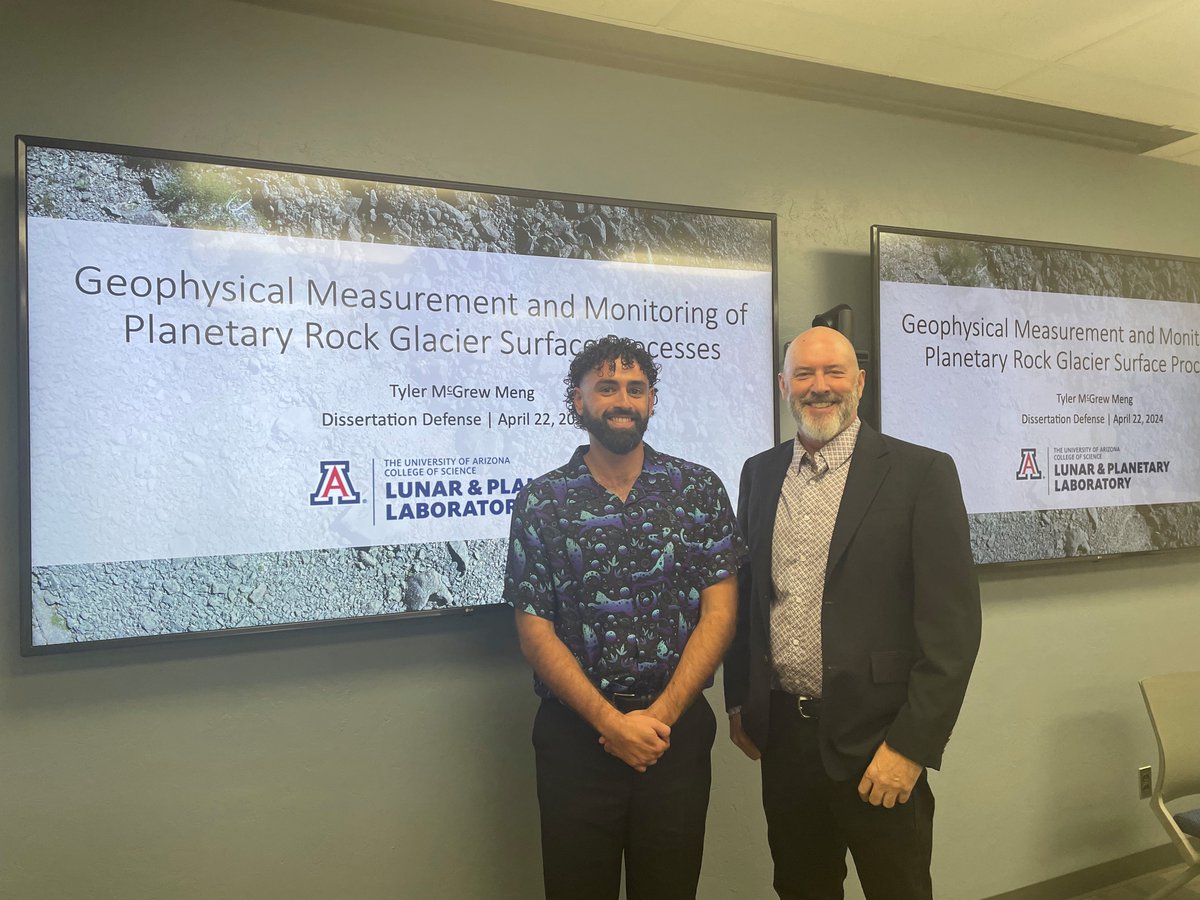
[(1137, 60)]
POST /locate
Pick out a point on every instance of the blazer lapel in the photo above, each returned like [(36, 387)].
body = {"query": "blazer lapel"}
[(773, 472), (868, 467)]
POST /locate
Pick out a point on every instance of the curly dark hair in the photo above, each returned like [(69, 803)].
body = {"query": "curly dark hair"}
[(595, 354)]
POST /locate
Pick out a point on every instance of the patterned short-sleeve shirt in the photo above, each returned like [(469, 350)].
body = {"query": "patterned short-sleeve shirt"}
[(621, 581)]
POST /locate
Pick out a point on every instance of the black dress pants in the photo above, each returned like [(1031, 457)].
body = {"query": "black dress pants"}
[(596, 809), (812, 820)]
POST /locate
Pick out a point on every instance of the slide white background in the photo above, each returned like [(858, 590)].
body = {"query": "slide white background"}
[(985, 417), (146, 450)]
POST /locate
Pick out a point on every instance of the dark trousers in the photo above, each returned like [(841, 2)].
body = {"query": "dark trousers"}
[(812, 820), (595, 809)]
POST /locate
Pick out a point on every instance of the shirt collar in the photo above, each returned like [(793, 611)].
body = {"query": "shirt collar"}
[(651, 461), (833, 455)]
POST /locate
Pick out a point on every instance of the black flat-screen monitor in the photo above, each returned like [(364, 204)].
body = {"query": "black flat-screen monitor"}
[(263, 396), (1064, 381)]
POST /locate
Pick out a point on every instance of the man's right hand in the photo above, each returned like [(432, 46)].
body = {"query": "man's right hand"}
[(637, 739), (738, 735)]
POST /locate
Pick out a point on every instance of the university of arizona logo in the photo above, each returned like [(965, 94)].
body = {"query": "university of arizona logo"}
[(1028, 470), (335, 485)]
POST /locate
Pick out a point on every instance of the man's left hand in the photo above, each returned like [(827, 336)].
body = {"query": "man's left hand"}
[(889, 778), (610, 747)]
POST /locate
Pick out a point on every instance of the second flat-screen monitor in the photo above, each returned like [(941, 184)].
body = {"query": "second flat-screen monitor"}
[(1064, 381), (265, 395)]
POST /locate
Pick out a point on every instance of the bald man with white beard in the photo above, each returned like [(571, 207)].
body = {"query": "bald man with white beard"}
[(858, 626)]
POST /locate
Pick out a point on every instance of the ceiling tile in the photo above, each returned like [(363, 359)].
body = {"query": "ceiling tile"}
[(637, 12), (1048, 30), (768, 26), (1164, 51), (921, 19)]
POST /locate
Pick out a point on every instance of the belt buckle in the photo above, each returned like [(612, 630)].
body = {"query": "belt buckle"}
[(800, 706)]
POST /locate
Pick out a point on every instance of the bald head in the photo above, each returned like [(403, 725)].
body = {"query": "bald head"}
[(822, 383), (823, 342)]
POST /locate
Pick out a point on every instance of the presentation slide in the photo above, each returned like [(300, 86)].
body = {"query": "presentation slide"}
[(1064, 381), (261, 397)]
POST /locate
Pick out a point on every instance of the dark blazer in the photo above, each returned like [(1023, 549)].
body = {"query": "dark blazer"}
[(900, 619)]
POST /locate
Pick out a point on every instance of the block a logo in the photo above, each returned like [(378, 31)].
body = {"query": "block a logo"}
[(335, 485), (1028, 470)]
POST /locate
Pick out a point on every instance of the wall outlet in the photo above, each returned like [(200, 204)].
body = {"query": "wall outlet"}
[(1144, 784)]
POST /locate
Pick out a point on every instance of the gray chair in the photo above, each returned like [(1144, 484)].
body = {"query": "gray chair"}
[(1173, 702)]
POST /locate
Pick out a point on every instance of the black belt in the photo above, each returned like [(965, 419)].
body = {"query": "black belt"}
[(628, 702), (807, 707)]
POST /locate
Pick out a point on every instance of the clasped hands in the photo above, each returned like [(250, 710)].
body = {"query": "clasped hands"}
[(638, 739)]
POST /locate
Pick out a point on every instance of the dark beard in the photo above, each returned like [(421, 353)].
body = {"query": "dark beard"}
[(619, 442)]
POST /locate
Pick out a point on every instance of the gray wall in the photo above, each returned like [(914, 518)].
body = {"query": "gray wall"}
[(393, 760)]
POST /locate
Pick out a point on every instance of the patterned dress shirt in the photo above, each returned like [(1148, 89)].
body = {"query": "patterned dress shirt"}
[(621, 581), (808, 508)]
